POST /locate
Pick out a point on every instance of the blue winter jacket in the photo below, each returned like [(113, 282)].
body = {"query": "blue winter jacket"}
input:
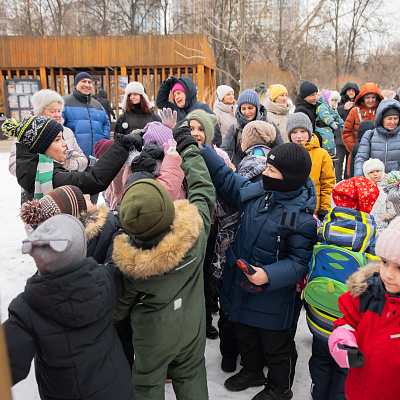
[(380, 143), (277, 232), (87, 119)]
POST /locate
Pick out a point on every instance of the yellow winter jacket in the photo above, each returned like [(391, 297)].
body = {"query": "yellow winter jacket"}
[(322, 173)]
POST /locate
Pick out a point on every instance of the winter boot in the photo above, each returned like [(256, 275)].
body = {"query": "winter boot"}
[(271, 392), (244, 379)]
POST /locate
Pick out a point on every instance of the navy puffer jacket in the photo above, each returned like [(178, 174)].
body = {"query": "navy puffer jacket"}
[(276, 232), (380, 143)]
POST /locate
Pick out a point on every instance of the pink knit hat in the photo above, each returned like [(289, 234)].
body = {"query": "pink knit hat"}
[(178, 86), (387, 245), (158, 132)]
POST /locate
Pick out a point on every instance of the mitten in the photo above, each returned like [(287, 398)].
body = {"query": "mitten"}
[(168, 118), (334, 125), (147, 160), (170, 148), (245, 284), (321, 214), (171, 80), (130, 141), (183, 136), (344, 349)]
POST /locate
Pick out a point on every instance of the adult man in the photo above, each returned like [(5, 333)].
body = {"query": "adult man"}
[(85, 116)]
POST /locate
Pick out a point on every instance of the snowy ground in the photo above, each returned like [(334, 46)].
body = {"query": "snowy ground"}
[(16, 268)]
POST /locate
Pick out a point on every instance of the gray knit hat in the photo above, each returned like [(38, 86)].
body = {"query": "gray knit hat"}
[(299, 120), (394, 197), (59, 242), (206, 120), (258, 132), (43, 98)]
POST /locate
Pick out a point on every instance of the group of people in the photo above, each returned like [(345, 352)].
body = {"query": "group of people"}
[(205, 211)]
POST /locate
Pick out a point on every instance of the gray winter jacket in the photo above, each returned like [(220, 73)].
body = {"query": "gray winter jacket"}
[(380, 143)]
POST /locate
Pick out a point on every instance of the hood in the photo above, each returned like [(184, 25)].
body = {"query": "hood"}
[(358, 282), (102, 94), (74, 296), (312, 144), (369, 87), (190, 91), (93, 221), (321, 100), (168, 253), (278, 109), (224, 107), (252, 166), (262, 116), (347, 86), (383, 106)]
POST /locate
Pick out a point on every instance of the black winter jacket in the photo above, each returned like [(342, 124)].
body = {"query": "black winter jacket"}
[(102, 99), (64, 320), (136, 119), (344, 99)]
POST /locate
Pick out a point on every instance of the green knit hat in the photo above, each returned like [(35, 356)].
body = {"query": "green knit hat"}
[(206, 120), (146, 209)]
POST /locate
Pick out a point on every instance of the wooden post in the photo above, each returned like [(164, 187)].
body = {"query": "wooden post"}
[(61, 81), (26, 74), (155, 87), (18, 74), (102, 81), (200, 85), (123, 72), (162, 74), (148, 84), (194, 74), (186, 71), (3, 96), (116, 86), (53, 79), (9, 74), (214, 79), (43, 78), (141, 76), (69, 83), (108, 85), (178, 72), (34, 74)]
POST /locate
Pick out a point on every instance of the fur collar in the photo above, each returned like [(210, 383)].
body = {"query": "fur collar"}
[(357, 283), (93, 221), (138, 263)]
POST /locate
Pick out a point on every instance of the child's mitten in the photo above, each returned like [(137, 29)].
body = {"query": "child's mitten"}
[(245, 283)]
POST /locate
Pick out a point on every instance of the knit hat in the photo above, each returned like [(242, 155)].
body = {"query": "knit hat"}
[(358, 193), (299, 121), (392, 182), (137, 88), (36, 133), (251, 97), (364, 127), (276, 90), (146, 209), (178, 86), (387, 245), (102, 146), (293, 162), (206, 120), (326, 94), (258, 132), (81, 76), (391, 111), (222, 91), (62, 200), (334, 96), (394, 197), (373, 164), (58, 243), (43, 98), (307, 88), (158, 132)]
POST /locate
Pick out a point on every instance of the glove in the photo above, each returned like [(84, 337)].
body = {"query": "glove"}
[(334, 125), (183, 136), (168, 118), (130, 141), (170, 148), (171, 80), (321, 214), (147, 159), (245, 284), (344, 349)]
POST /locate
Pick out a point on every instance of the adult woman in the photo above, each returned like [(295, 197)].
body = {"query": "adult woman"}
[(138, 112), (224, 108), (384, 141), (278, 108)]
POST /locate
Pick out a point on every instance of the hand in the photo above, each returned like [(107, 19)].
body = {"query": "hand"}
[(171, 80), (168, 118), (348, 105), (130, 141), (354, 355), (147, 159), (170, 148), (344, 349), (259, 277), (183, 136), (334, 125)]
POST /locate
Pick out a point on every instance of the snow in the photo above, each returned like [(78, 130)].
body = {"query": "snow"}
[(16, 268)]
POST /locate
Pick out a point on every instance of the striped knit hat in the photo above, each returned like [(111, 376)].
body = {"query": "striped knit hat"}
[(63, 200)]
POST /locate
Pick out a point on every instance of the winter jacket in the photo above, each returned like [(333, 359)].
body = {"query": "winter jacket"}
[(87, 119), (102, 99), (136, 119), (374, 314), (279, 114), (383, 209), (354, 152), (344, 99), (322, 173), (225, 116), (251, 167), (90, 182), (63, 320), (380, 143), (232, 140), (191, 103), (349, 135), (305, 107), (164, 293), (281, 246)]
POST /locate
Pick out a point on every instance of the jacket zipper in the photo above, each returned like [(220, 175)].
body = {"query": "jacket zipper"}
[(278, 243), (91, 128), (386, 150)]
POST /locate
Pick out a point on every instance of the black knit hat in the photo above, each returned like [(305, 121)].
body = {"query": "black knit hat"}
[(391, 111), (307, 88), (36, 133), (293, 162)]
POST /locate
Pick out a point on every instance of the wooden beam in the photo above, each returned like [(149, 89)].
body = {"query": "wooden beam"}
[(148, 84), (123, 72), (34, 73), (200, 85), (3, 96), (155, 86), (18, 74), (194, 78), (116, 86), (43, 78), (53, 79), (26, 74), (108, 84), (70, 89), (61, 81), (9, 74), (162, 74), (141, 76), (178, 72)]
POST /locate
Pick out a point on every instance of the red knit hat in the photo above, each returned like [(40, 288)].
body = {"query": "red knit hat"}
[(101, 146), (358, 193)]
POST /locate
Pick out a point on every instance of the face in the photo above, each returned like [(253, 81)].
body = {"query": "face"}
[(281, 99), (53, 111), (229, 98), (391, 122), (272, 172), (312, 98), (134, 98), (334, 102), (58, 149), (249, 111), (180, 98), (299, 136), (390, 274), (351, 93), (84, 86), (375, 176), (370, 99), (197, 132)]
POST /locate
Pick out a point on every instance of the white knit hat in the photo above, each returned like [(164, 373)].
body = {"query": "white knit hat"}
[(222, 91), (334, 96), (373, 164), (44, 98), (137, 88)]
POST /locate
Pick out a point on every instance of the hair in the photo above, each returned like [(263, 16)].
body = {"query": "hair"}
[(130, 107)]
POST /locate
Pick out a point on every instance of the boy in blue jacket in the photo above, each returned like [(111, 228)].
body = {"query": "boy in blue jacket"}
[(270, 254)]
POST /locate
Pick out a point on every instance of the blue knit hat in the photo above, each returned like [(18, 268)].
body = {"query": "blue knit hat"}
[(80, 76), (251, 97)]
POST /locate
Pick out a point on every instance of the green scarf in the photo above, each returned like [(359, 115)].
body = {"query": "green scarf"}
[(44, 176)]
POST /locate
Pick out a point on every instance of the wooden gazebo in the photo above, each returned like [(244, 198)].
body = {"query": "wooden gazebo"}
[(148, 59)]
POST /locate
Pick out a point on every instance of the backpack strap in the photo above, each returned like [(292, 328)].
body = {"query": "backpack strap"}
[(359, 114)]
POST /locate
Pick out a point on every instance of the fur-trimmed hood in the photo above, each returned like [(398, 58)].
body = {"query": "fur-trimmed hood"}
[(93, 221), (142, 264), (358, 282)]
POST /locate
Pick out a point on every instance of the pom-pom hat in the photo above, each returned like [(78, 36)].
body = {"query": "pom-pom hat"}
[(387, 245)]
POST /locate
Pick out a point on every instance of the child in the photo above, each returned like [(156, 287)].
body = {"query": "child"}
[(364, 127), (63, 319), (299, 129), (275, 237), (366, 339)]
